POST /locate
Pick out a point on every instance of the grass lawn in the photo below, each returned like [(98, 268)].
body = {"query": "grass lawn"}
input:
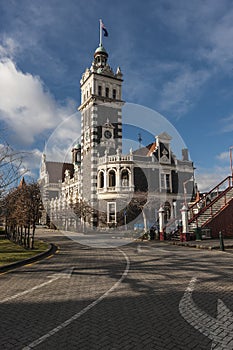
[(11, 252)]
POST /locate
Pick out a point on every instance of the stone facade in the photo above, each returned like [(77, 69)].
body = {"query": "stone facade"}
[(103, 187)]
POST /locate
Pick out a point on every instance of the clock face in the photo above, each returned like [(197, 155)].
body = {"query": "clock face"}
[(107, 134)]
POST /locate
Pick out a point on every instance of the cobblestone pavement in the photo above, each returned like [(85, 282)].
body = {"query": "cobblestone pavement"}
[(145, 295)]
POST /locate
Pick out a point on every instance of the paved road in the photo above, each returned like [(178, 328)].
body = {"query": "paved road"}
[(145, 295)]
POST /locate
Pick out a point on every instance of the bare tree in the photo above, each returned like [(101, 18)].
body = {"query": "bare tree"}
[(22, 208), (10, 167)]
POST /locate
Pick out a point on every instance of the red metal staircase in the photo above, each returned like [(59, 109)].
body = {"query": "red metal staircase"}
[(212, 204)]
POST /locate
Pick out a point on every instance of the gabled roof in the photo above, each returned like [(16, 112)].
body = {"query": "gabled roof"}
[(164, 136), (145, 151), (56, 171), (151, 149)]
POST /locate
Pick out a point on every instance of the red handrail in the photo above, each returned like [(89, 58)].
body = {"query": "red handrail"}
[(210, 205), (228, 179)]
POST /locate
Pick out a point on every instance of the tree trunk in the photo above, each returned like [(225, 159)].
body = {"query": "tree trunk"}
[(33, 235), (28, 236)]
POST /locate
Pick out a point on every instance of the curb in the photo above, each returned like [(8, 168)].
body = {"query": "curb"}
[(200, 246), (52, 250)]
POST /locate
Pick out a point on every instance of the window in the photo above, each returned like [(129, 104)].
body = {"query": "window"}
[(107, 92), (165, 182), (111, 211), (114, 94), (100, 90), (125, 178), (101, 179), (111, 178)]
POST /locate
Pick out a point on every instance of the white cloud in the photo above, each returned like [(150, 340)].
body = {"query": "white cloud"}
[(220, 44), (209, 178), (31, 163), (65, 135), (227, 124), (177, 95), (224, 156), (8, 47), (25, 105)]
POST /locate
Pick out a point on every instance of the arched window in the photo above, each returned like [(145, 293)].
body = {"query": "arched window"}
[(124, 178), (111, 178), (101, 179)]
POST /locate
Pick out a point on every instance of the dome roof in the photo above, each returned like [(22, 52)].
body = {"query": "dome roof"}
[(77, 146), (100, 50)]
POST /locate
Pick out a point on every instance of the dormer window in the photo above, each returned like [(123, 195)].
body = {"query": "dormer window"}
[(107, 92), (114, 94), (100, 90)]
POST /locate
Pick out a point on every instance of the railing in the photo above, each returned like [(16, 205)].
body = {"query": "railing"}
[(115, 158), (115, 189), (173, 224), (198, 208), (209, 207), (210, 197)]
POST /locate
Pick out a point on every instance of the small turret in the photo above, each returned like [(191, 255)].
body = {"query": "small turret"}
[(100, 57), (76, 154)]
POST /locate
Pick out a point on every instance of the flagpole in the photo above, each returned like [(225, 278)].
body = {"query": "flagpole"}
[(100, 33)]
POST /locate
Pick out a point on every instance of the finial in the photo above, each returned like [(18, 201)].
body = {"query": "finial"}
[(118, 72), (140, 140)]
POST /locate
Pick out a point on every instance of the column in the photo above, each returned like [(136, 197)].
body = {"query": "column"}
[(161, 223), (118, 179), (184, 236)]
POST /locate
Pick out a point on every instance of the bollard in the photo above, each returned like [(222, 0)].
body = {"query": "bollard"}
[(221, 241)]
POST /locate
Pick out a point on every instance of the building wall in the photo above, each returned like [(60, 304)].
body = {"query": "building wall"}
[(222, 222)]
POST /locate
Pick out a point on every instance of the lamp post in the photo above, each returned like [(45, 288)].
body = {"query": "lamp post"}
[(231, 166)]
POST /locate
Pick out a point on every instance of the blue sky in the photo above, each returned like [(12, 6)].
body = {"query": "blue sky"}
[(176, 57)]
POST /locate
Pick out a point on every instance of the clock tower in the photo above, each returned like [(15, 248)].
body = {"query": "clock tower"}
[(101, 123)]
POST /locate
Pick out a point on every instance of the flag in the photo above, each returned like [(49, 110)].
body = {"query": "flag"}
[(104, 28)]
